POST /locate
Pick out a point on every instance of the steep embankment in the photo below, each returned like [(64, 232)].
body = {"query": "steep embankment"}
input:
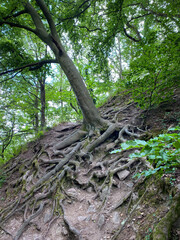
[(77, 194)]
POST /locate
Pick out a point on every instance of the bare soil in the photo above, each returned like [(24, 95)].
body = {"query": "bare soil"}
[(92, 196)]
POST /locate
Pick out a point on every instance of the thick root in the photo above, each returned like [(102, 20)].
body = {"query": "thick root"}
[(79, 134)]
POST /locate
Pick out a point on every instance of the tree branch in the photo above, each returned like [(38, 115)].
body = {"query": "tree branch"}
[(48, 16), (90, 30), (79, 13), (144, 15), (135, 30), (18, 26), (127, 35), (40, 29), (16, 14), (32, 66), (52, 40), (157, 13), (7, 79)]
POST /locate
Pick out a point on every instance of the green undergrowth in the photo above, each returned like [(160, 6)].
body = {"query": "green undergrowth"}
[(162, 152)]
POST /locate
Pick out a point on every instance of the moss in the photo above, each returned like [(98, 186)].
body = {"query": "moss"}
[(22, 169), (163, 229)]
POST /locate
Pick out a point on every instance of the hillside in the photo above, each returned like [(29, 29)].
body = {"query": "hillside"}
[(82, 191)]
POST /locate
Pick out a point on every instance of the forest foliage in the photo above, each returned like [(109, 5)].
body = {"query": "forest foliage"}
[(162, 152), (118, 46)]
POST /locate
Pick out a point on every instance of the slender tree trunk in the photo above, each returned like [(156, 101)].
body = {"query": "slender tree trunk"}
[(36, 103), (120, 58), (43, 103)]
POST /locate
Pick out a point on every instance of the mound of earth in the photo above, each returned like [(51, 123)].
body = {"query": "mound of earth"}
[(82, 191)]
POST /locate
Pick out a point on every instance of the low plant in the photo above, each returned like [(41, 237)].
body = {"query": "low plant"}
[(163, 151)]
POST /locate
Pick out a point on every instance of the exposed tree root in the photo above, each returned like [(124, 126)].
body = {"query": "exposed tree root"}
[(8, 233), (27, 221), (79, 134), (111, 129), (63, 163)]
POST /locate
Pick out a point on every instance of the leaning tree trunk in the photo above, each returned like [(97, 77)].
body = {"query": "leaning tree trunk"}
[(91, 116)]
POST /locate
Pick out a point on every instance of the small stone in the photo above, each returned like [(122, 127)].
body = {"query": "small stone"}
[(104, 193), (47, 217), (123, 174), (72, 192), (101, 221), (64, 232), (132, 237), (91, 209), (130, 184), (116, 218), (81, 218), (88, 218), (90, 190), (115, 183)]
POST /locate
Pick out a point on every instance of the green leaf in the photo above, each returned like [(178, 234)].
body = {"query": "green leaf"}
[(133, 144), (176, 144), (116, 151)]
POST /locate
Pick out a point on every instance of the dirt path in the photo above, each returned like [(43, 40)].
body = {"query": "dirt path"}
[(90, 197)]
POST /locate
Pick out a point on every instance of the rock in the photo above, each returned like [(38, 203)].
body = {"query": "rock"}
[(101, 221), (132, 237), (123, 174), (178, 186), (110, 146), (134, 196), (91, 209), (82, 218), (64, 231), (104, 193), (90, 190), (72, 192), (116, 218), (47, 217), (130, 184)]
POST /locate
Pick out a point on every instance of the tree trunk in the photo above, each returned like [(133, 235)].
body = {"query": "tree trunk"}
[(36, 117), (90, 113), (43, 103), (91, 116), (120, 59)]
